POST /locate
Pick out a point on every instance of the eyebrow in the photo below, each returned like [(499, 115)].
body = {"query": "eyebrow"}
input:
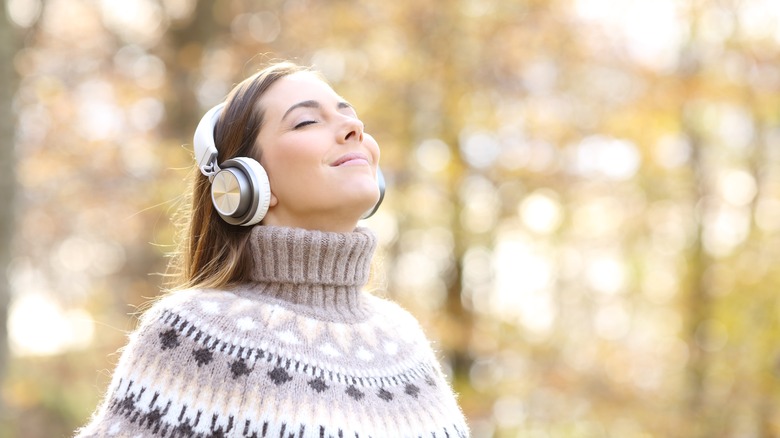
[(314, 104)]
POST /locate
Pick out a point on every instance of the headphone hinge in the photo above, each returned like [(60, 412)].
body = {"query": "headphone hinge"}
[(211, 168)]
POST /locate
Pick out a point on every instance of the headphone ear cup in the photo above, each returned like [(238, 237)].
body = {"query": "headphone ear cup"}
[(241, 192), (380, 180), (231, 193)]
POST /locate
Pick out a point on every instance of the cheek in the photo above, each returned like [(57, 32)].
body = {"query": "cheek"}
[(373, 148), (301, 151), (292, 169)]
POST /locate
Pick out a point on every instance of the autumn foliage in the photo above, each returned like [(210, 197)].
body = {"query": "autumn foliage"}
[(583, 203)]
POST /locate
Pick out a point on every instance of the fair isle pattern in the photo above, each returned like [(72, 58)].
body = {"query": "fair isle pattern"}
[(150, 400), (242, 356), (294, 353)]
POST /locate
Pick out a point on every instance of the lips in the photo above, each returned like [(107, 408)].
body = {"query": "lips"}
[(351, 159)]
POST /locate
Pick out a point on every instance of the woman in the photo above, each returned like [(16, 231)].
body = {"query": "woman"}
[(270, 333)]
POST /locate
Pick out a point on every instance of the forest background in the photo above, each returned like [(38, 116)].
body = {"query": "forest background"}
[(583, 207)]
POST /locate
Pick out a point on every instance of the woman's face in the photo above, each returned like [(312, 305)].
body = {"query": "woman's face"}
[(320, 163)]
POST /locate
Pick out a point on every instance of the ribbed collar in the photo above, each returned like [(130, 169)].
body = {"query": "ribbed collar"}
[(321, 273)]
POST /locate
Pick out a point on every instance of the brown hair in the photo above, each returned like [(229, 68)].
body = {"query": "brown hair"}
[(212, 253)]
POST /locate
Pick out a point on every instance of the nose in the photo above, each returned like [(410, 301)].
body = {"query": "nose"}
[(351, 129)]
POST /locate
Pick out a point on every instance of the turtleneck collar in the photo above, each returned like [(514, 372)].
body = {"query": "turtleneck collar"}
[(322, 272)]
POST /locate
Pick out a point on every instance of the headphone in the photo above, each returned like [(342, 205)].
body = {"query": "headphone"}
[(240, 190)]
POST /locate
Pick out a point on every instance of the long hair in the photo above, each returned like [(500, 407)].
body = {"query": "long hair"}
[(212, 253)]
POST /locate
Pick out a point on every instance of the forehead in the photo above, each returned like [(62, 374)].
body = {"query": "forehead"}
[(295, 88)]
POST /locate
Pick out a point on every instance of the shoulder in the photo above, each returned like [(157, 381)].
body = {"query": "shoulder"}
[(191, 307), (397, 319), (189, 301), (388, 307), (204, 298)]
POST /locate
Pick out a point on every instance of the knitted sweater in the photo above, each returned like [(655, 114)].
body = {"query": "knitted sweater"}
[(299, 351)]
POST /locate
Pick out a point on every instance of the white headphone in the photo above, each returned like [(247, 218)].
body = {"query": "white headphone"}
[(240, 190)]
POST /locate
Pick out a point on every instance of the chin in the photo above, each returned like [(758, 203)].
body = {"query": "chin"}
[(355, 195)]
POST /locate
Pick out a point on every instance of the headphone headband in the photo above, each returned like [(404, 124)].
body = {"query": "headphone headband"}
[(203, 142)]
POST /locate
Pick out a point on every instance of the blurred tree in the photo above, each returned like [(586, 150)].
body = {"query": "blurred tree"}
[(189, 41), (8, 48), (582, 208)]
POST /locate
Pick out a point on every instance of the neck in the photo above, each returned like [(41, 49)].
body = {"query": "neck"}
[(318, 224), (320, 272), (343, 219)]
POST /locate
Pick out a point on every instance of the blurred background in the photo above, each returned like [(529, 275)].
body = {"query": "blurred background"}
[(583, 207)]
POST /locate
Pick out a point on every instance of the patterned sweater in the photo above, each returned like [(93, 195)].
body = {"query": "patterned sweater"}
[(299, 351)]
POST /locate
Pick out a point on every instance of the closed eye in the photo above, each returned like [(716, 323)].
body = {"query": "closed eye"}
[(305, 123)]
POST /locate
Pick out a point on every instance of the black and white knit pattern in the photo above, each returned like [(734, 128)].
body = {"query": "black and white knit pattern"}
[(262, 360)]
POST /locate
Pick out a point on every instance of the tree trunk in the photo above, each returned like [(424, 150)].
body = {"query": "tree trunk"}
[(187, 43), (8, 43)]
